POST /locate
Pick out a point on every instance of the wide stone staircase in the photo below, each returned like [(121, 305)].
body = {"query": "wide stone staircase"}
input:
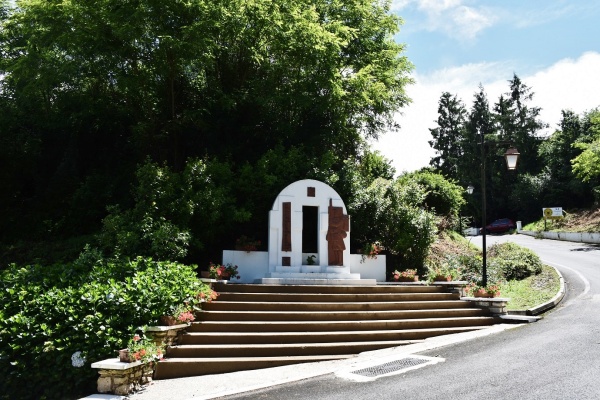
[(261, 326)]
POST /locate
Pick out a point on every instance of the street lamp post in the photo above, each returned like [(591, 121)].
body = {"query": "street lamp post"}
[(511, 156)]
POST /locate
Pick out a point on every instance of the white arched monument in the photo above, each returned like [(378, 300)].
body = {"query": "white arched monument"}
[(309, 242)]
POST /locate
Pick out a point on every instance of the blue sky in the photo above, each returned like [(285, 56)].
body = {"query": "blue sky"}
[(552, 45)]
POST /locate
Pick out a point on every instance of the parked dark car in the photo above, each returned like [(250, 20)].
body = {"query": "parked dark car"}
[(499, 226)]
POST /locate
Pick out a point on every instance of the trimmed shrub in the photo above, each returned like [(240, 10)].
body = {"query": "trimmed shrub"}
[(514, 261), (48, 314)]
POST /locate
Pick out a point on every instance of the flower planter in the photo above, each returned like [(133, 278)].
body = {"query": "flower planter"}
[(442, 278), (124, 355), (484, 293), (406, 279), (168, 320)]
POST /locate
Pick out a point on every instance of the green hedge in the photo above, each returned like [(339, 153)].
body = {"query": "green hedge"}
[(47, 314)]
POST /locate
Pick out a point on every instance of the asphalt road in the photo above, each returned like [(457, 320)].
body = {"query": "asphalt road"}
[(555, 358)]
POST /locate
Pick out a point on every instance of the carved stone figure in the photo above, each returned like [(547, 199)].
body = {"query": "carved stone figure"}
[(339, 225)]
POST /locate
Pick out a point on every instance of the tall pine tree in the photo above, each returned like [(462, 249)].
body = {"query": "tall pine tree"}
[(448, 135)]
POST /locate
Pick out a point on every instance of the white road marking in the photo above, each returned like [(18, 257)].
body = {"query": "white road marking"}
[(586, 283)]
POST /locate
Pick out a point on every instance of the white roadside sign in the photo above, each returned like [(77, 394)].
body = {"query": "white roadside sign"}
[(552, 212)]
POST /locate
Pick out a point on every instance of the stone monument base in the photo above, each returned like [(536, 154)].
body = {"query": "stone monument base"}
[(320, 279)]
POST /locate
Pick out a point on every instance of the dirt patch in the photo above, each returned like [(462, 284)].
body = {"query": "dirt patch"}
[(446, 245), (580, 221)]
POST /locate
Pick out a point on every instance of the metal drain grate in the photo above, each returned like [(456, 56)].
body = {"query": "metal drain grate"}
[(388, 367)]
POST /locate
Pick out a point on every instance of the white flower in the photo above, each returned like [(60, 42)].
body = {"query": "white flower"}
[(77, 359)]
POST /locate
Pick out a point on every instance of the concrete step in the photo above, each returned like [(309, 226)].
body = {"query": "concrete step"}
[(333, 306), (337, 315), (334, 297), (234, 338), (320, 326), (248, 288), (261, 326), (291, 349), (183, 367)]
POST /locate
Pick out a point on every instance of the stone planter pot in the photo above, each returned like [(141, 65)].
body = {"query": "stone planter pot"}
[(168, 320), (124, 355), (483, 293)]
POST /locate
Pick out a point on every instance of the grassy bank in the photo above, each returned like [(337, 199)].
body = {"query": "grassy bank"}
[(532, 291)]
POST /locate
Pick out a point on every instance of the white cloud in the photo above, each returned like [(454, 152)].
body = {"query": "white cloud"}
[(451, 17), (400, 4), (552, 12), (468, 22), (568, 84)]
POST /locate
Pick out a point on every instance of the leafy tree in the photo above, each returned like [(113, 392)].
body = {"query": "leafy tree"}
[(173, 212), (556, 153), (586, 165), (443, 197), (390, 212), (89, 90), (528, 195)]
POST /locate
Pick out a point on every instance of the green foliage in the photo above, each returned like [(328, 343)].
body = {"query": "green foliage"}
[(557, 152), (515, 120), (528, 191), (514, 261), (505, 262), (91, 305), (172, 211), (443, 196), (179, 80), (373, 165), (389, 213), (586, 166)]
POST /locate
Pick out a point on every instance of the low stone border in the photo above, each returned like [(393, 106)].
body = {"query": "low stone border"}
[(458, 287), (495, 305), (122, 378), (167, 335)]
